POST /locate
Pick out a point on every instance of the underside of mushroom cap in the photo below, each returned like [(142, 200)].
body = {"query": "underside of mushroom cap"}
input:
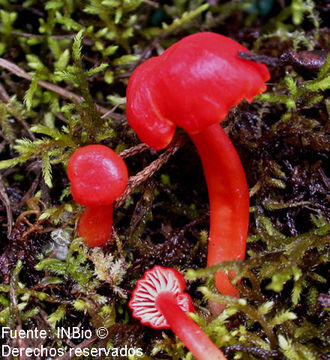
[(193, 84), (156, 281)]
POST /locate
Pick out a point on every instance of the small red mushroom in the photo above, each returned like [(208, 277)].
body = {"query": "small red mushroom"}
[(98, 177), (193, 85), (159, 301), (95, 225)]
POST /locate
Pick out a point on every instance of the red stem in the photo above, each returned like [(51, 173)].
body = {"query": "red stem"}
[(229, 200), (95, 225), (192, 336)]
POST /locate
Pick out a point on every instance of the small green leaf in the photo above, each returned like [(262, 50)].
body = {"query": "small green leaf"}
[(63, 61), (97, 69), (77, 46), (125, 59), (28, 97), (53, 265), (282, 317), (57, 315), (46, 169)]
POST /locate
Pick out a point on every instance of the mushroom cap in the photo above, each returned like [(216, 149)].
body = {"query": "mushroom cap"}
[(155, 281), (193, 84), (98, 175)]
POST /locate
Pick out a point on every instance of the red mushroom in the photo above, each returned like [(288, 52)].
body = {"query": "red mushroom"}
[(159, 301), (193, 85), (98, 177)]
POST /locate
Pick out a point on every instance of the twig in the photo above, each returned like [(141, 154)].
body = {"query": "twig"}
[(324, 178), (307, 61), (261, 353), (30, 192), (268, 60), (134, 150), (3, 94), (148, 171), (38, 36), (5, 199), (256, 187), (152, 3), (14, 313), (109, 112), (16, 70), (15, 319)]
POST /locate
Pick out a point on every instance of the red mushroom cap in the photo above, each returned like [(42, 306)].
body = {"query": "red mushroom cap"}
[(98, 175), (144, 298), (193, 84)]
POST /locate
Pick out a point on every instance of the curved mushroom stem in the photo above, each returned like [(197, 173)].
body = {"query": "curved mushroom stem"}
[(95, 225), (229, 200), (192, 336)]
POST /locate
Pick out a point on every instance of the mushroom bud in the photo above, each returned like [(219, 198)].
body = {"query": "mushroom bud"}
[(193, 85), (159, 301), (98, 177)]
